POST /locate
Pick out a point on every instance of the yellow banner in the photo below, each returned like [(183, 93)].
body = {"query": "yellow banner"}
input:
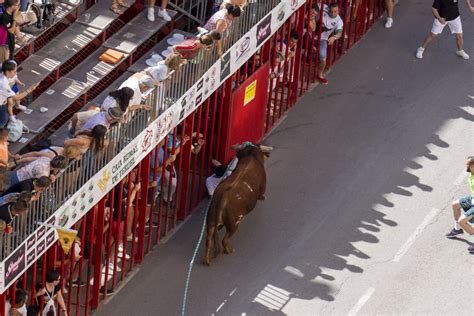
[(66, 238)]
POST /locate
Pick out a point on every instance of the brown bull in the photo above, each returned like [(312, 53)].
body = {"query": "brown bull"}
[(236, 196)]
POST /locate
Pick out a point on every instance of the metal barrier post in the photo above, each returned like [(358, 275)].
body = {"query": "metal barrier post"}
[(145, 166)]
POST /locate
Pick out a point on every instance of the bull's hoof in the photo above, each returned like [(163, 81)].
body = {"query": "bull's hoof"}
[(228, 250), (262, 197), (207, 262)]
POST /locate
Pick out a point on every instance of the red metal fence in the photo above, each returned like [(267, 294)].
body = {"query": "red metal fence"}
[(165, 187)]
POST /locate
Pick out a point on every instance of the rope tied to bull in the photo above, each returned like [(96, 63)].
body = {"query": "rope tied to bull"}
[(191, 263)]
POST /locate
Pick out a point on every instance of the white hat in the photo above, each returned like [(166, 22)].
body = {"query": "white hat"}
[(154, 60), (167, 52), (176, 39)]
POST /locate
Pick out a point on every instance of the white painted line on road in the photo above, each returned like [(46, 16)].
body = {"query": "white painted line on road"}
[(272, 297), (462, 177), (220, 306), (403, 250), (361, 302)]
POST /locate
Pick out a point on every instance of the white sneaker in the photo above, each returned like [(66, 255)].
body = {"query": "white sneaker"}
[(120, 255), (13, 119), (419, 52), (462, 53), (389, 23), (151, 14), (164, 15), (21, 107)]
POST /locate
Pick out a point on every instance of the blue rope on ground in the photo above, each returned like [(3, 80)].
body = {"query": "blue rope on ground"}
[(191, 263)]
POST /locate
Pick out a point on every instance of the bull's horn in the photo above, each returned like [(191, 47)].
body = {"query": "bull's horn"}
[(266, 149), (236, 147)]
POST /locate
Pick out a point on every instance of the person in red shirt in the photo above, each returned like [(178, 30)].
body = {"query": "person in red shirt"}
[(191, 47)]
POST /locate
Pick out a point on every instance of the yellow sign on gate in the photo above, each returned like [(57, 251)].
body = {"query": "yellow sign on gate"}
[(250, 92)]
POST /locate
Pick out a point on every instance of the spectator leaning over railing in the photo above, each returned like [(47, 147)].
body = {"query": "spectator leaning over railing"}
[(85, 140), (142, 86), (102, 118), (221, 21), (332, 26), (190, 48), (18, 307), (41, 167), (9, 211), (163, 69), (7, 96), (161, 11), (35, 186), (119, 98), (80, 118), (70, 152)]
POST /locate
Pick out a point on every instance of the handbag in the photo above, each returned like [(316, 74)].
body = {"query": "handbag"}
[(111, 57), (15, 130)]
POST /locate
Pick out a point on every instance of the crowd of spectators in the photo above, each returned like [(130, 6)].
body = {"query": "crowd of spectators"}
[(23, 177)]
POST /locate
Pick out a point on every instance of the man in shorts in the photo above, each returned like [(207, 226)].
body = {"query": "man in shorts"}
[(462, 222), (446, 12)]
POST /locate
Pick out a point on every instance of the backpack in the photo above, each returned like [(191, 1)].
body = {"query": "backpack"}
[(15, 130)]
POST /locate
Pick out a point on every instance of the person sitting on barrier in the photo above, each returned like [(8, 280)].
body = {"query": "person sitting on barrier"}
[(80, 118), (9, 211), (7, 96), (51, 293), (332, 26), (221, 22), (102, 118), (35, 186), (162, 13), (190, 48), (70, 152), (41, 167), (85, 140), (142, 85), (163, 69), (116, 4)]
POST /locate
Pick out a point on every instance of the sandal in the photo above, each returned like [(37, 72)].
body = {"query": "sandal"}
[(114, 8), (123, 4)]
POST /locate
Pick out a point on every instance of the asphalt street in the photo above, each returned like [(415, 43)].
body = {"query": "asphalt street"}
[(359, 190)]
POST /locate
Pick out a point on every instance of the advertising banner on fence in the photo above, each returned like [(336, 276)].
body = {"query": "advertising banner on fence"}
[(101, 183)]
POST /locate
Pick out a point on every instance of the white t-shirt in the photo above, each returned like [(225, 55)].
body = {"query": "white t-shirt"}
[(330, 24), (5, 89), (108, 103), (134, 84), (83, 117), (35, 169), (158, 72)]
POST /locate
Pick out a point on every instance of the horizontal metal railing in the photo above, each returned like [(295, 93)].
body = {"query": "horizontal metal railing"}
[(75, 176)]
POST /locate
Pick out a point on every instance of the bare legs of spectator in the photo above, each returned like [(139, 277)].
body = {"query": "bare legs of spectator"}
[(459, 43), (389, 4), (161, 11), (322, 67), (116, 4)]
